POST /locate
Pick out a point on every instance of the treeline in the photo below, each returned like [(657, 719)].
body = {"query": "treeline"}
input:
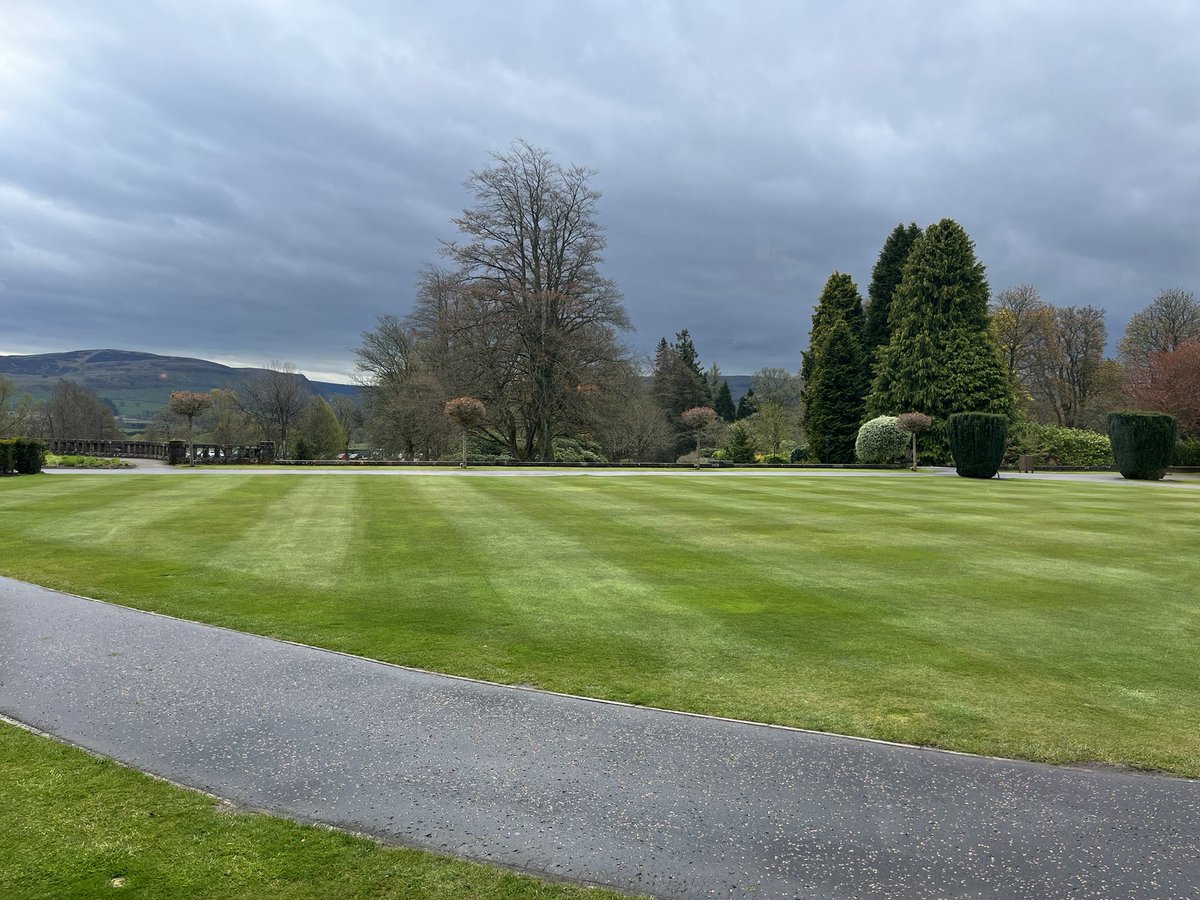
[(274, 404), (520, 317)]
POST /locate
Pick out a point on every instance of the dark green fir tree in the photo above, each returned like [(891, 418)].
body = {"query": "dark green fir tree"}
[(747, 406), (941, 357), (839, 300), (836, 395), (724, 403), (885, 279)]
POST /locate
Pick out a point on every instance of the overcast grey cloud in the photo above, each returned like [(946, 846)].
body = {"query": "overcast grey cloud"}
[(259, 180)]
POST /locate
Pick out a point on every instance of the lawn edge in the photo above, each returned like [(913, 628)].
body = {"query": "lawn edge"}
[(1080, 766), (241, 808)]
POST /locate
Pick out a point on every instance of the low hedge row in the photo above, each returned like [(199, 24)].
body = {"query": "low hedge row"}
[(21, 455)]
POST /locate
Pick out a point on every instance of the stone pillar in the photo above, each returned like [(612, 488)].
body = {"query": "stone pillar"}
[(176, 452)]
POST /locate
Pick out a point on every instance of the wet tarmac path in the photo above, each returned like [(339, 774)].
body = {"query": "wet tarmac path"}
[(637, 799)]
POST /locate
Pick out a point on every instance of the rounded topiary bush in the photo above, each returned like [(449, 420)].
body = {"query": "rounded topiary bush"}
[(977, 443), (1142, 443), (880, 441), (800, 454)]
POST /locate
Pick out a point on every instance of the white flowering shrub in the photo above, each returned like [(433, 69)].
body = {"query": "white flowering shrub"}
[(880, 441)]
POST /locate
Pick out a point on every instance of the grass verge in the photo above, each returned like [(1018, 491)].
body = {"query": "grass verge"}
[(74, 825), (1044, 620)]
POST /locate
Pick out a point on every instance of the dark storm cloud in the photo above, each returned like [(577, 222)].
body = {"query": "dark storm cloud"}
[(260, 180)]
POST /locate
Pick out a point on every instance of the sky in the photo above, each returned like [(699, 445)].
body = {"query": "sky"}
[(260, 180)]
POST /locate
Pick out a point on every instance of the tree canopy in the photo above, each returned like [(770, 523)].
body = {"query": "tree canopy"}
[(942, 357)]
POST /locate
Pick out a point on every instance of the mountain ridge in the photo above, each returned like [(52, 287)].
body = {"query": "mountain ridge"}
[(136, 383)]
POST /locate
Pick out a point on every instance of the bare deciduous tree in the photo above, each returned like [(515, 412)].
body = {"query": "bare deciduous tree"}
[(1071, 382), (11, 418), (1020, 321), (75, 412), (226, 422), (531, 291), (1173, 317), (275, 397)]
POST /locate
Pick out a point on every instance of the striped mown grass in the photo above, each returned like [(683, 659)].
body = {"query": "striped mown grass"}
[(1049, 621)]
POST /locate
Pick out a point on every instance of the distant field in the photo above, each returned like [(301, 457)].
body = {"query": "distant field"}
[(1043, 620)]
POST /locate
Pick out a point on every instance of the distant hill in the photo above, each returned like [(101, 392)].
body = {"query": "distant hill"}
[(137, 384)]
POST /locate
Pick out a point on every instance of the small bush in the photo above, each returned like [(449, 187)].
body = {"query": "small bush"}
[(1186, 453), (740, 448), (85, 462), (1057, 446), (977, 443), (1142, 443), (572, 450), (771, 459), (880, 441), (801, 454)]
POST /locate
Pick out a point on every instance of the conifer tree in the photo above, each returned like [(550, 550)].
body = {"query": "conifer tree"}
[(885, 279), (836, 395), (941, 357), (834, 401), (747, 406), (724, 403), (678, 384), (839, 300)]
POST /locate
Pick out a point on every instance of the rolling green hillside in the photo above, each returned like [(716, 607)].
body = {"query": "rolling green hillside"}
[(137, 384)]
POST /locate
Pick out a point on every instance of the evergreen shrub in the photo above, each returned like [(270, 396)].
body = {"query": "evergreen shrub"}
[(740, 446), (1142, 443), (977, 443), (1055, 445), (577, 450), (22, 455), (800, 454), (1186, 453), (880, 441)]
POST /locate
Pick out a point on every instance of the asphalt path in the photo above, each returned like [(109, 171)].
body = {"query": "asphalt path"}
[(158, 467), (638, 799)]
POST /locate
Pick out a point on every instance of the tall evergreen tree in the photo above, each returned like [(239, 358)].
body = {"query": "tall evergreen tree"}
[(678, 385), (747, 406), (836, 395), (839, 300), (724, 402), (832, 400), (687, 352), (885, 279), (941, 357)]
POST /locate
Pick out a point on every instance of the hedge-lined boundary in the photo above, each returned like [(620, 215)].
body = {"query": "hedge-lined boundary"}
[(21, 455)]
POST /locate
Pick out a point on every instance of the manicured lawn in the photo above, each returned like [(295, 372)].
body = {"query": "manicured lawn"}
[(1043, 620), (72, 825)]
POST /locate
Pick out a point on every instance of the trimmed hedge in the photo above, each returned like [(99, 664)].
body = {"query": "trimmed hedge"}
[(977, 443), (1142, 443), (21, 455), (1057, 446), (1186, 453)]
